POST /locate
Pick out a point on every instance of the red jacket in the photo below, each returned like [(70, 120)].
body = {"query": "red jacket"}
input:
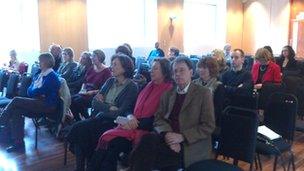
[(272, 74)]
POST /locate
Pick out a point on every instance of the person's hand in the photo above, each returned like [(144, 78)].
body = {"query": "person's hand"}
[(133, 122), (175, 147), (99, 97), (241, 85), (173, 138), (258, 86)]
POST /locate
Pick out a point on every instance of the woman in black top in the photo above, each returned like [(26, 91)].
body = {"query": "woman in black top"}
[(287, 61)]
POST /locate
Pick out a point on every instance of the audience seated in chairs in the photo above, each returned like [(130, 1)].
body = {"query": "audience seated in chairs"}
[(173, 53), (56, 50), (287, 62), (237, 81), (95, 77), (117, 97), (78, 76), (184, 122), (264, 70), (219, 56), (208, 71), (157, 52), (127, 50), (13, 63), (67, 67), (44, 98), (121, 138)]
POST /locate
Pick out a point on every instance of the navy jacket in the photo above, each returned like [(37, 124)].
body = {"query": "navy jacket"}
[(125, 100), (49, 90)]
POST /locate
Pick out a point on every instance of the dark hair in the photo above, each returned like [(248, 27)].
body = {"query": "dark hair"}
[(124, 50), (269, 49), (87, 58), (69, 51), (165, 67), (240, 50), (126, 63), (174, 50), (100, 55), (211, 64), (185, 60), (48, 57), (129, 47), (291, 52)]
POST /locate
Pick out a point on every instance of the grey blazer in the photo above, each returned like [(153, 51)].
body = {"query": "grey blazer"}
[(66, 69)]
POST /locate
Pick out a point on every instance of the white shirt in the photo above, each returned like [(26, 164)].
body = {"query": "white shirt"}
[(183, 91), (38, 82)]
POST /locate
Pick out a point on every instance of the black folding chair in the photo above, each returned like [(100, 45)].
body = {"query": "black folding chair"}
[(279, 116), (53, 119), (11, 89), (237, 141)]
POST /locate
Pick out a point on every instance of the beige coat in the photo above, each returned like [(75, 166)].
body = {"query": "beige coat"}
[(196, 121)]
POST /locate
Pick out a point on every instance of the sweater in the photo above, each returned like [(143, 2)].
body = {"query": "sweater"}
[(49, 90), (232, 79), (272, 73)]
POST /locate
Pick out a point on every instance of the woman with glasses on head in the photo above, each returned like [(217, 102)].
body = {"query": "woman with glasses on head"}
[(95, 77)]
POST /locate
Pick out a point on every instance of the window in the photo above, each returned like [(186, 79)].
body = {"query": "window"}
[(112, 23), (19, 30), (204, 25)]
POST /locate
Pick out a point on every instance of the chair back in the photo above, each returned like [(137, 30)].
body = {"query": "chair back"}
[(11, 89), (266, 91), (23, 67), (238, 133), (280, 114), (25, 83), (2, 80), (35, 69)]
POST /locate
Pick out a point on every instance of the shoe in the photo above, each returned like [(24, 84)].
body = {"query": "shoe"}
[(20, 147)]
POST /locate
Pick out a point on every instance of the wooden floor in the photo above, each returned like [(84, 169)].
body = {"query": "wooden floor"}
[(49, 155)]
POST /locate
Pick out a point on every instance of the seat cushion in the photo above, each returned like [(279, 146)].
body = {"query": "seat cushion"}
[(212, 165), (276, 148)]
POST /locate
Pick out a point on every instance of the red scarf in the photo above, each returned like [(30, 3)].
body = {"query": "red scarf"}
[(146, 105)]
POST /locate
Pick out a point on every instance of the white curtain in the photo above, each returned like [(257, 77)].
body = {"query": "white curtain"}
[(19, 30), (204, 25), (114, 22)]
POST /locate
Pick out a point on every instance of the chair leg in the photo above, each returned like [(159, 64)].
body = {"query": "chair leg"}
[(260, 163), (65, 152), (36, 137), (291, 160), (275, 163), (256, 163), (251, 166)]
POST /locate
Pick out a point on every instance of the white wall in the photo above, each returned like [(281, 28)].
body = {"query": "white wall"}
[(266, 22)]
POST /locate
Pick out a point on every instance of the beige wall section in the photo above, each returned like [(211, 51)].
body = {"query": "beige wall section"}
[(265, 23), (170, 35), (63, 22), (234, 34)]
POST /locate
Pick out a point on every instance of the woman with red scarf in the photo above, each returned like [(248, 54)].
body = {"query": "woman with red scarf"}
[(131, 128)]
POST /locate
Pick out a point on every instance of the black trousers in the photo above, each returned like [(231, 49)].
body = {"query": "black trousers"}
[(83, 138), (106, 159), (80, 105), (152, 152), (13, 115)]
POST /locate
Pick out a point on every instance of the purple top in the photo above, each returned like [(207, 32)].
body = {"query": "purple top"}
[(94, 80)]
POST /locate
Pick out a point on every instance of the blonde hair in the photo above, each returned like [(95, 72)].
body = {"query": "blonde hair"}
[(263, 53), (219, 55)]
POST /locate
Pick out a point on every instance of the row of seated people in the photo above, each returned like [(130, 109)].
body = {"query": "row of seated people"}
[(183, 116)]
